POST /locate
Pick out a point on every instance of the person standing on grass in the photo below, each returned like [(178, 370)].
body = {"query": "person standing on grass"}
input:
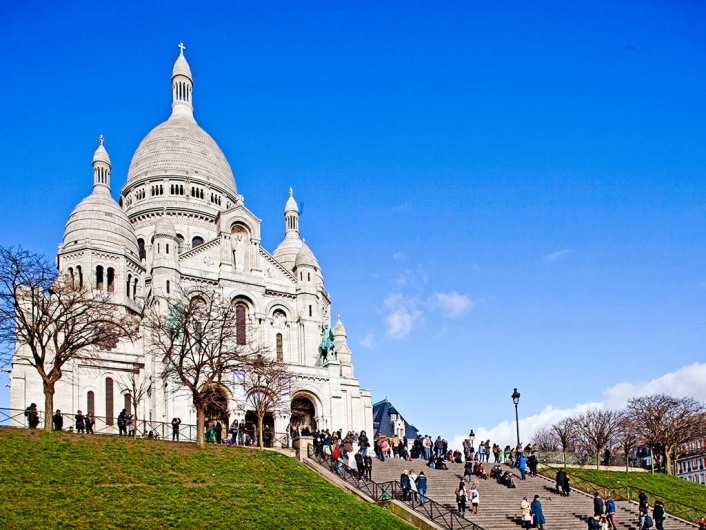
[(422, 487), (57, 420), (32, 416), (658, 515), (90, 422), (80, 422), (122, 422), (536, 509), (175, 429), (610, 513)]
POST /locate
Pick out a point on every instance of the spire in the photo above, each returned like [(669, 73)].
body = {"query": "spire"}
[(101, 166), (182, 87), (291, 216)]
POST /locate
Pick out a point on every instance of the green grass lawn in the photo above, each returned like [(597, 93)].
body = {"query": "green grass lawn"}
[(62, 480), (656, 485)]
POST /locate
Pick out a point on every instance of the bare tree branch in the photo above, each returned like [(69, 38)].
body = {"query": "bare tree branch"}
[(596, 428)]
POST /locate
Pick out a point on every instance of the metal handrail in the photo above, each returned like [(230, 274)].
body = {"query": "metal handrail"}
[(143, 427), (629, 493), (381, 492)]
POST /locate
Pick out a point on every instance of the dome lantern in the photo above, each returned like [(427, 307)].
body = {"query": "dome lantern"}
[(101, 166), (182, 87)]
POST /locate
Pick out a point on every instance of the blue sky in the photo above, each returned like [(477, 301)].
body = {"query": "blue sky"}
[(500, 194)]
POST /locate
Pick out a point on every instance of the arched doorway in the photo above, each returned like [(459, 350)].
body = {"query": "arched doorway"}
[(268, 427), (216, 400), (303, 413)]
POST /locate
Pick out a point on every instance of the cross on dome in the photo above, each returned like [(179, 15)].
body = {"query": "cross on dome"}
[(101, 139), (181, 48), (291, 192)]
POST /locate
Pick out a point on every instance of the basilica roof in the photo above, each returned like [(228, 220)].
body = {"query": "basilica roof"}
[(179, 146)]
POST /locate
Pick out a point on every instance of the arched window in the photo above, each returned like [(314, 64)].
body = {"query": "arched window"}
[(134, 289), (128, 404), (111, 280), (240, 324), (167, 286), (180, 243), (196, 242), (109, 412), (80, 276), (127, 285), (141, 248), (311, 311), (71, 277), (280, 348), (91, 402), (167, 245), (99, 278)]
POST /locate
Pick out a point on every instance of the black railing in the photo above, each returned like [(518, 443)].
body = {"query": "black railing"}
[(626, 492), (142, 428), (382, 492)]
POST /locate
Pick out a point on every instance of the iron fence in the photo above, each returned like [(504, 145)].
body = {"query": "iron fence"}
[(381, 492), (142, 428)]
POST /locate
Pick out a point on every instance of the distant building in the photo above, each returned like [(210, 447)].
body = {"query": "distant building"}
[(388, 422), (691, 464)]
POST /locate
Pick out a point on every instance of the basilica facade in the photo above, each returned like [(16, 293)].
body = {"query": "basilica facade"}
[(181, 223)]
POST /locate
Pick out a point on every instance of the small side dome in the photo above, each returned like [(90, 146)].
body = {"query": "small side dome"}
[(165, 228), (339, 329), (305, 257), (101, 155)]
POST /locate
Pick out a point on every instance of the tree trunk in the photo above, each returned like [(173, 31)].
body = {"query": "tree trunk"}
[(260, 435), (564, 453), (48, 406), (668, 460), (598, 458), (200, 424), (652, 460)]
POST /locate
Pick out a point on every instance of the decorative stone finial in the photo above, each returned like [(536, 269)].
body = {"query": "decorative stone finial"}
[(181, 49), (339, 317), (101, 139), (291, 192)]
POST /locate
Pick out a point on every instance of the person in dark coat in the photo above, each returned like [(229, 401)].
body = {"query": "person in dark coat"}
[(404, 482), (658, 515), (560, 476), (598, 505), (567, 484), (80, 422), (58, 420), (536, 507), (32, 416), (122, 423), (90, 422)]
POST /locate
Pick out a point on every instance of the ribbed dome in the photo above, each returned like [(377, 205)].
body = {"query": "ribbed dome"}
[(99, 219), (339, 329), (179, 145), (306, 257), (286, 252)]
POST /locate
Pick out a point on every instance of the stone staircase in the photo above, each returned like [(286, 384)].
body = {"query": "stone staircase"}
[(499, 507)]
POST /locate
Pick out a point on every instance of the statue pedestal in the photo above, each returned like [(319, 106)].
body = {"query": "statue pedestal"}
[(300, 444)]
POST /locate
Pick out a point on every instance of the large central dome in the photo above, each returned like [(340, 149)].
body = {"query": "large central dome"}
[(180, 146)]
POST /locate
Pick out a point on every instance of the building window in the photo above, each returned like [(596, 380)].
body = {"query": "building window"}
[(99, 278), (240, 321), (167, 245), (128, 404), (196, 242), (141, 248), (180, 243), (127, 285), (111, 280), (91, 403), (134, 289), (109, 412), (167, 286), (311, 310), (80, 276), (280, 348)]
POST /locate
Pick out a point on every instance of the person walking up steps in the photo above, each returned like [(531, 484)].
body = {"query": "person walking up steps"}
[(422, 487), (525, 508), (610, 513), (538, 512), (475, 499), (461, 496)]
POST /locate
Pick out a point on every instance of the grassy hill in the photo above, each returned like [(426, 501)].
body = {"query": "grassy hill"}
[(656, 485), (50, 480)]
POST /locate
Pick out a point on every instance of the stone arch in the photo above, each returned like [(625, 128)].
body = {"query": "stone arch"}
[(305, 409)]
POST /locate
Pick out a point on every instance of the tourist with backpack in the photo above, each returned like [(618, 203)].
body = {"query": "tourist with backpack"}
[(645, 521), (422, 487)]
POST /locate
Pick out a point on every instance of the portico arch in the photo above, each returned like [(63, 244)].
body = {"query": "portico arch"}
[(304, 410)]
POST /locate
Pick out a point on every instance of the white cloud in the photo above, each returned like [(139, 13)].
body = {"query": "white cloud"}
[(402, 313), (368, 341), (559, 255), (399, 256), (452, 304), (414, 277), (401, 207), (686, 381)]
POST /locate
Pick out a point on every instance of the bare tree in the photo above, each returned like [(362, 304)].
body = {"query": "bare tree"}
[(52, 320), (195, 334), (565, 431), (627, 436), (266, 383), (545, 440), (667, 421), (596, 428), (137, 385)]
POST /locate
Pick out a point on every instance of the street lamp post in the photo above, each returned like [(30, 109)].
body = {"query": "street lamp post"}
[(516, 400)]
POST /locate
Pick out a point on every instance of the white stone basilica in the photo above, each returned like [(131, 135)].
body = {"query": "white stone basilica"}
[(181, 222)]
